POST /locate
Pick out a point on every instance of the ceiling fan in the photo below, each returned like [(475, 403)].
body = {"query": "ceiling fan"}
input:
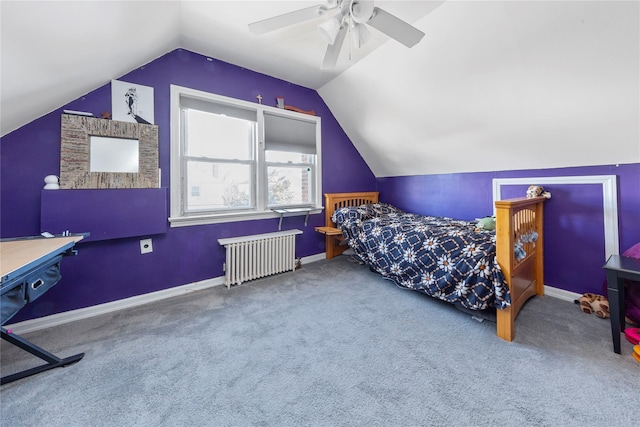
[(351, 16)]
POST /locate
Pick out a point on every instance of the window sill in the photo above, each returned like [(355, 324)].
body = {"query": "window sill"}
[(187, 221)]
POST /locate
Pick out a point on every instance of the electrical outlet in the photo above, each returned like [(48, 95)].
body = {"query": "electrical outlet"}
[(146, 246)]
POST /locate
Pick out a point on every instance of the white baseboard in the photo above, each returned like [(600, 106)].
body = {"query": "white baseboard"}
[(314, 258), (561, 294), (109, 307)]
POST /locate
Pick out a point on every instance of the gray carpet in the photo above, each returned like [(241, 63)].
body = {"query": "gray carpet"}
[(331, 344)]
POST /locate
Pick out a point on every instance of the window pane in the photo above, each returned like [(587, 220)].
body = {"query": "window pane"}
[(220, 137), (288, 157), (219, 186), (289, 185)]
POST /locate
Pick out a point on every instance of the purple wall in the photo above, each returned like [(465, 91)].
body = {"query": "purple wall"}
[(114, 269), (110, 270), (574, 233)]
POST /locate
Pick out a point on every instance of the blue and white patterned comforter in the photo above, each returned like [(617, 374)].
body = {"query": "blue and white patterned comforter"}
[(442, 257)]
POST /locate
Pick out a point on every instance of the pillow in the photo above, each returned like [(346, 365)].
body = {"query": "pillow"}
[(363, 212), (381, 209)]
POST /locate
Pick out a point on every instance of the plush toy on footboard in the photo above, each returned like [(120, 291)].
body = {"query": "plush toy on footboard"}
[(537, 191)]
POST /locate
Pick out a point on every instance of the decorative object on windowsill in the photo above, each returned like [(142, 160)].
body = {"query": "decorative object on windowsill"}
[(51, 182), (280, 104), (259, 97), (105, 115), (299, 110)]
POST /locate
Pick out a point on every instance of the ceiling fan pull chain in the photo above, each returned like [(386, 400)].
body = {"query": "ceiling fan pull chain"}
[(350, 36)]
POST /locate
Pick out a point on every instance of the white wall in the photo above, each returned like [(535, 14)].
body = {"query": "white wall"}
[(499, 85)]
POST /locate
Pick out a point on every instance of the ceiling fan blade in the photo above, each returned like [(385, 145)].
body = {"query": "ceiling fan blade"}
[(286, 19), (333, 50), (395, 27)]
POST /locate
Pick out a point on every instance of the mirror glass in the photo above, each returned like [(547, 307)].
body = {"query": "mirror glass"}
[(113, 155)]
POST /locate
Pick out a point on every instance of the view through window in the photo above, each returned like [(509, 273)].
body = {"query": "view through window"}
[(239, 159)]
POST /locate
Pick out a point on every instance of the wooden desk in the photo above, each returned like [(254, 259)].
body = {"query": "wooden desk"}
[(19, 254), (28, 268), (619, 268)]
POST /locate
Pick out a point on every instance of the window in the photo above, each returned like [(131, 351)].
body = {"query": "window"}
[(218, 158), (233, 160)]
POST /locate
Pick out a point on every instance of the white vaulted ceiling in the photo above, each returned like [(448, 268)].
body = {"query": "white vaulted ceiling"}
[(493, 85), (499, 85), (54, 51)]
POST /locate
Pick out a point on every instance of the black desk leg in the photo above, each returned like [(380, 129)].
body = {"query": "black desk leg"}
[(615, 291), (52, 360)]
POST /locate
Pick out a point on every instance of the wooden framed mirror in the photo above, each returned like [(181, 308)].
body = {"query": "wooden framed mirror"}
[(100, 153)]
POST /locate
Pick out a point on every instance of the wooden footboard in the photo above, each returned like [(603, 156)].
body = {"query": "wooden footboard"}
[(517, 221)]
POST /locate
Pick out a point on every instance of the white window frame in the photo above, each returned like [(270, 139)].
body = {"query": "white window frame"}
[(177, 218)]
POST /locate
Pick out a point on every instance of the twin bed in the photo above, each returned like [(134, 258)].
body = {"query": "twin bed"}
[(449, 259)]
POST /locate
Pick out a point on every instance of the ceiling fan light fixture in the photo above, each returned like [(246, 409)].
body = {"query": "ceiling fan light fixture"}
[(360, 35), (361, 10), (329, 29)]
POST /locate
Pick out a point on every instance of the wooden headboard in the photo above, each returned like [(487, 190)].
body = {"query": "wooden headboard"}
[(335, 201), (334, 241)]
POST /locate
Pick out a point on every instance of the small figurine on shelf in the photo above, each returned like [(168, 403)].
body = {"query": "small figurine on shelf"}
[(105, 115), (51, 182)]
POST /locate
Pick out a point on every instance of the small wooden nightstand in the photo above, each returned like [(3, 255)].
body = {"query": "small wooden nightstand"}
[(332, 237)]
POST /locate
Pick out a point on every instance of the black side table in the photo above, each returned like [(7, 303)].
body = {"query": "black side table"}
[(619, 268)]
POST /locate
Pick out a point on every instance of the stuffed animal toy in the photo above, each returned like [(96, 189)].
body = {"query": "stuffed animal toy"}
[(594, 303), (536, 191), (486, 223)]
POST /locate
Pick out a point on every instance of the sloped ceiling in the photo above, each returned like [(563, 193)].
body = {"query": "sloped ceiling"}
[(494, 85), (501, 85), (56, 51)]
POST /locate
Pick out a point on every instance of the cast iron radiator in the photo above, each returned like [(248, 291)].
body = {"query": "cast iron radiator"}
[(259, 255)]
